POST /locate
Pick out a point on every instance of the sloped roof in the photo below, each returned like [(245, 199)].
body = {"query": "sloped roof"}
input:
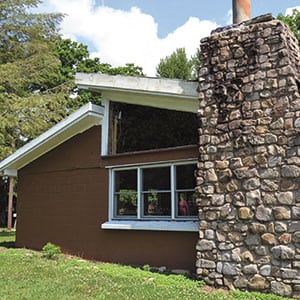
[(79, 121), (163, 93)]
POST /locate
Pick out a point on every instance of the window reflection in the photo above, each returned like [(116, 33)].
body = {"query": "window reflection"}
[(185, 186), (158, 192), (126, 193), (157, 204)]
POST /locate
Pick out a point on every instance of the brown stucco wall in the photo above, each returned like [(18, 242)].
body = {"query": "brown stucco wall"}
[(63, 198)]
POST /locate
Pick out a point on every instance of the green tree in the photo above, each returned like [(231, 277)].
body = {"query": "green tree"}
[(177, 65), (293, 21), (30, 101), (74, 57), (70, 54), (195, 62), (127, 70), (37, 69)]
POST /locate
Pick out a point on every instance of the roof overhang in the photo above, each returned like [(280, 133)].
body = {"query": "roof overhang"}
[(84, 118), (155, 92)]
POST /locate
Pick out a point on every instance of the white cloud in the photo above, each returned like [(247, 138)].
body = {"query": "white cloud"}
[(229, 17), (121, 37), (289, 11)]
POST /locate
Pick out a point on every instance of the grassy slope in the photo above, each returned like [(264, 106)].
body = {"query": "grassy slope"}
[(26, 274)]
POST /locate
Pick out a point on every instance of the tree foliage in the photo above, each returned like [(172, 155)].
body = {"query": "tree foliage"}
[(70, 54), (128, 70), (37, 70), (293, 21), (195, 62), (74, 57), (19, 29), (30, 101), (177, 65)]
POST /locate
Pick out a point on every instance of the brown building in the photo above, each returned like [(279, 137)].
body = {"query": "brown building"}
[(115, 182)]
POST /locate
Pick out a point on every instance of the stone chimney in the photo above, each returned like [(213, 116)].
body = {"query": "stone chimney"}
[(249, 158)]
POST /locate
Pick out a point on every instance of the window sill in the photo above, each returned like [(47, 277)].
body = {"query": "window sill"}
[(188, 226)]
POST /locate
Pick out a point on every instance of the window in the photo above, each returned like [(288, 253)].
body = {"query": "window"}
[(126, 192), (139, 128), (154, 192)]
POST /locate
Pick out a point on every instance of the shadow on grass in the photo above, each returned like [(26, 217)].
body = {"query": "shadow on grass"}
[(7, 233), (7, 244), (7, 239)]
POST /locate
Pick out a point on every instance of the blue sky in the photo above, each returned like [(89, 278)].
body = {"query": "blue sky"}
[(144, 31), (170, 14)]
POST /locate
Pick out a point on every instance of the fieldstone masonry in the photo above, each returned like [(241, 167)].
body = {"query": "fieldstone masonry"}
[(249, 163)]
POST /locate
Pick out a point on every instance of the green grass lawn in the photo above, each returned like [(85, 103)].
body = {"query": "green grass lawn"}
[(26, 274)]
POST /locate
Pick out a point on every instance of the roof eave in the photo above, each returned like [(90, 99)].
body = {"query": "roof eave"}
[(156, 92), (86, 117)]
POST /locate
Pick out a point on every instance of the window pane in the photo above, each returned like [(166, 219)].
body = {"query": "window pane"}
[(185, 178), (186, 204), (126, 193), (126, 204), (136, 128), (126, 180), (157, 204), (156, 179)]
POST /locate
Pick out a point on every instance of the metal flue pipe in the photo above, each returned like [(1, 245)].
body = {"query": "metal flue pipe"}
[(241, 10)]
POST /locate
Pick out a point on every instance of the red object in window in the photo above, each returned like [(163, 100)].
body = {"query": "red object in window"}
[(183, 207)]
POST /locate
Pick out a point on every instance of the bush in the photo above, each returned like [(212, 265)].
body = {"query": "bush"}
[(147, 268), (51, 251)]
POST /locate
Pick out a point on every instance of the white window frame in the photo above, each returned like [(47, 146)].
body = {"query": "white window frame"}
[(172, 223)]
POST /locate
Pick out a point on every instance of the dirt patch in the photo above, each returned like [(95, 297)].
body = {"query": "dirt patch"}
[(211, 290)]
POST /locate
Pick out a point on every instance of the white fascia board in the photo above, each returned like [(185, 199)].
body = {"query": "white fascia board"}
[(164, 93), (154, 100), (84, 118)]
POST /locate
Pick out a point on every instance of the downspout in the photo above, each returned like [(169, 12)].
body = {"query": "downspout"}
[(241, 11)]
